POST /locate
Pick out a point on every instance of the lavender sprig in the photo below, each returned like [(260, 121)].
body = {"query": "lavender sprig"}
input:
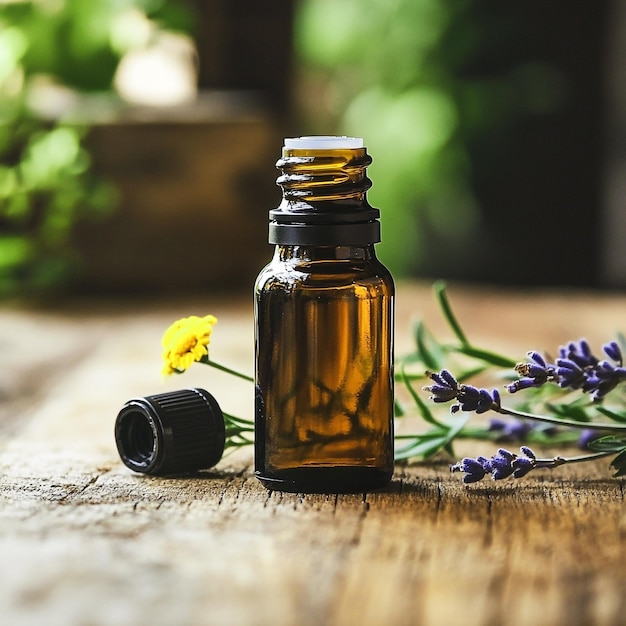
[(576, 368), (505, 463), (470, 398), (535, 373)]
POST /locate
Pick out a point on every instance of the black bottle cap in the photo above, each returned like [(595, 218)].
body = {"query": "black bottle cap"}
[(171, 433), (306, 234)]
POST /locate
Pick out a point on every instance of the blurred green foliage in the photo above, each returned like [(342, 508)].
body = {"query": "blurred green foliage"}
[(399, 73), (46, 183)]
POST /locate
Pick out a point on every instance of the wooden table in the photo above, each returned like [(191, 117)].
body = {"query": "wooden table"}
[(84, 541)]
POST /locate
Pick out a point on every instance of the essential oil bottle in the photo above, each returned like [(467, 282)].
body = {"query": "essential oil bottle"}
[(324, 309)]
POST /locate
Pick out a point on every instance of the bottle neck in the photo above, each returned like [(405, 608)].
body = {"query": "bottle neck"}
[(331, 175), (324, 199), (287, 253)]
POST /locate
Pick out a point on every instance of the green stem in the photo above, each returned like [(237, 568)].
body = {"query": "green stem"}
[(559, 421), (559, 460), (240, 422), (228, 370)]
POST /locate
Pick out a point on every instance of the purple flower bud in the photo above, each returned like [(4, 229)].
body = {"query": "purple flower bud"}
[(537, 358), (535, 371), (502, 464), (511, 429), (498, 424), (503, 452), (445, 388), (587, 436), (449, 378), (485, 401), (479, 400), (570, 374), (522, 466), (579, 353), (495, 397), (528, 452), (604, 367), (485, 462), (613, 351), (473, 468), (502, 473), (567, 367), (520, 384)]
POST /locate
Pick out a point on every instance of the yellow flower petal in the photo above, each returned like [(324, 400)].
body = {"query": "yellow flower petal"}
[(185, 341)]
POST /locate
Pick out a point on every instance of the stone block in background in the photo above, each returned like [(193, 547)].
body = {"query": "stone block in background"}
[(195, 186)]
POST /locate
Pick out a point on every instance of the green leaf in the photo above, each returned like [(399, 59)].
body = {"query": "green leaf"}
[(449, 448), (614, 415), (423, 446), (571, 410), (411, 375), (609, 443), (486, 356), (431, 442), (425, 412), (463, 377), (427, 347), (442, 297), (410, 358), (619, 463)]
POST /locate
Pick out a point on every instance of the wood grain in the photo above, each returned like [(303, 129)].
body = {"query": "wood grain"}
[(84, 541)]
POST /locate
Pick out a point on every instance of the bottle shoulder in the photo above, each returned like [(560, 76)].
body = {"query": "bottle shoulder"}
[(281, 275)]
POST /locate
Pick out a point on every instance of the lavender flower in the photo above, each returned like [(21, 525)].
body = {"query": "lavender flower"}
[(570, 375), (501, 465), (510, 430), (580, 353), (576, 368), (469, 398), (589, 435), (446, 387), (522, 466), (535, 373), (613, 351), (608, 376), (475, 469)]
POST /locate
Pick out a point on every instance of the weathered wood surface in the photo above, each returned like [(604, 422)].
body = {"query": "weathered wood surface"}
[(84, 541)]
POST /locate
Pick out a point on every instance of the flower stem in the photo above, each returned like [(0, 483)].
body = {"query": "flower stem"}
[(559, 460), (239, 422), (558, 421), (228, 370)]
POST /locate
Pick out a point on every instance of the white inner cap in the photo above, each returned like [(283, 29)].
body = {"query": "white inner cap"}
[(323, 142)]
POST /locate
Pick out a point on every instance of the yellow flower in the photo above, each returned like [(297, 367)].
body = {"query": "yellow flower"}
[(186, 341)]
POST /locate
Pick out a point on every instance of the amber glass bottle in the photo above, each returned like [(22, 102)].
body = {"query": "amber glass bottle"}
[(324, 328)]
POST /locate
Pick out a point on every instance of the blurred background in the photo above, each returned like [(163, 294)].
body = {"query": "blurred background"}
[(138, 137)]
